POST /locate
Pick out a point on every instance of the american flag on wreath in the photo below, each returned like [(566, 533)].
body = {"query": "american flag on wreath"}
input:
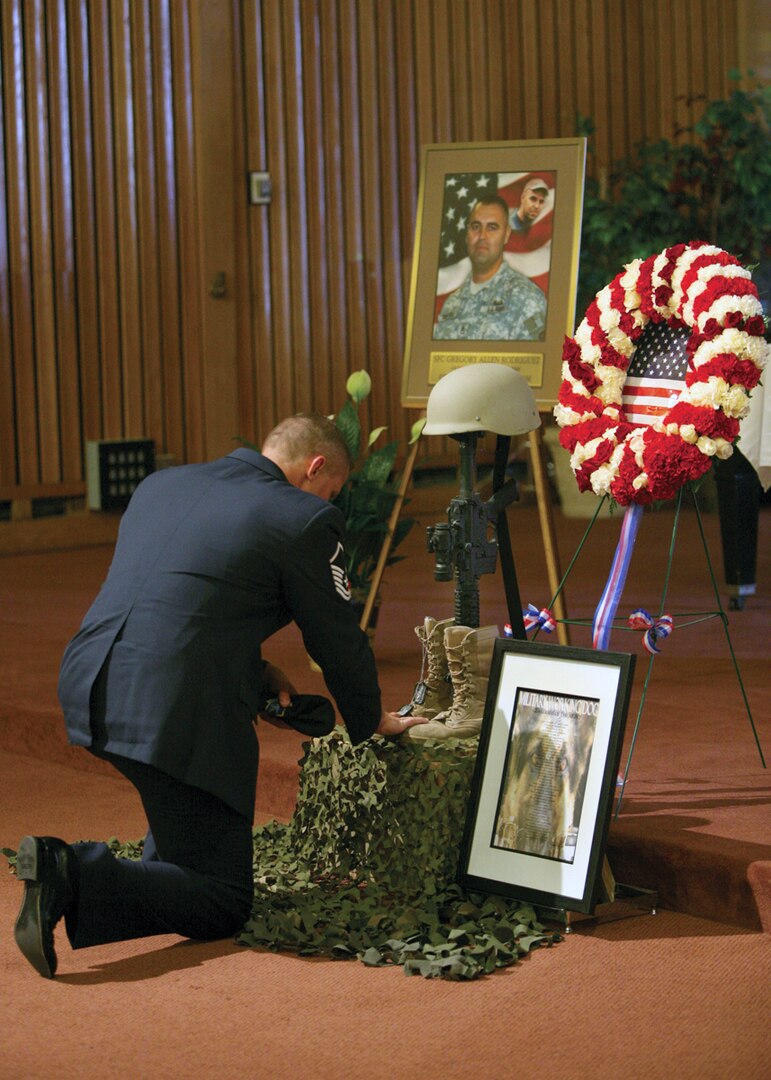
[(528, 251), (656, 376)]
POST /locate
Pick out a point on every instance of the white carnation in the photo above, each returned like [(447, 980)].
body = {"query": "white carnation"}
[(736, 402), (687, 258), (706, 445), (743, 345), (631, 274), (566, 416), (709, 393), (612, 382), (747, 305), (602, 478)]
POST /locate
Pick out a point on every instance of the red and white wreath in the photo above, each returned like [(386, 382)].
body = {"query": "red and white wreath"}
[(693, 285)]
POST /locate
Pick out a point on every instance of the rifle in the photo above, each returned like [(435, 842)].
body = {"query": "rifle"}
[(466, 545)]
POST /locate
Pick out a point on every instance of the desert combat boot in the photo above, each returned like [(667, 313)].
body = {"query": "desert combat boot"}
[(433, 693), (469, 656)]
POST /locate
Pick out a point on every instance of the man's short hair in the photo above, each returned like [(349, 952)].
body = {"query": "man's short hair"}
[(305, 434), (493, 200)]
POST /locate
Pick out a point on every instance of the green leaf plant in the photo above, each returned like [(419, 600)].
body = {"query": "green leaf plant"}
[(368, 496), (709, 182)]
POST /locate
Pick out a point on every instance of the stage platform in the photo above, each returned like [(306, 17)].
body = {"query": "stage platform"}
[(695, 823)]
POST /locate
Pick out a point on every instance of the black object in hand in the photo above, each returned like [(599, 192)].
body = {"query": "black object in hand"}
[(310, 714)]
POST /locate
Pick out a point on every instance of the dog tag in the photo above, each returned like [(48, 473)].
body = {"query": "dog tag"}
[(419, 693)]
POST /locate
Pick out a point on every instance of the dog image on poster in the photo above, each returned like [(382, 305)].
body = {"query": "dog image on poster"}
[(544, 776)]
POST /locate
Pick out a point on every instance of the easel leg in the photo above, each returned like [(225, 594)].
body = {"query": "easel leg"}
[(546, 518), (393, 521)]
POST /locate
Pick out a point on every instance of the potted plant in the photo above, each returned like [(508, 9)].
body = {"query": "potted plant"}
[(369, 495)]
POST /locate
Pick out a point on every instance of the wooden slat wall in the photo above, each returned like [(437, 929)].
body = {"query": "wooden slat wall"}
[(93, 313), (128, 127), (358, 86)]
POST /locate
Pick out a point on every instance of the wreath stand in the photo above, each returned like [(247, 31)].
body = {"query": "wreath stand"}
[(692, 618)]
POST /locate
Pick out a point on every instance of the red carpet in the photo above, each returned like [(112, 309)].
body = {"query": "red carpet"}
[(643, 998)]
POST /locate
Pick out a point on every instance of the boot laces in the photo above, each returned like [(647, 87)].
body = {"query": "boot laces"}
[(460, 671)]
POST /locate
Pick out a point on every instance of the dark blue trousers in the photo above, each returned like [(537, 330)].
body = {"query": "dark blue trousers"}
[(194, 879)]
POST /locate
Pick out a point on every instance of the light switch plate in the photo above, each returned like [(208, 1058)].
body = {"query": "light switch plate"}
[(259, 188)]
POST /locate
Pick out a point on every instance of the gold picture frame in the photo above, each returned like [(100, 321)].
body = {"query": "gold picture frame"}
[(516, 326)]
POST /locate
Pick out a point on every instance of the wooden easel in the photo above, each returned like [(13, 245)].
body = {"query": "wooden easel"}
[(545, 515)]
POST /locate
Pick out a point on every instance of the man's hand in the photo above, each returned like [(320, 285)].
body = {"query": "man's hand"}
[(393, 724), (276, 684)]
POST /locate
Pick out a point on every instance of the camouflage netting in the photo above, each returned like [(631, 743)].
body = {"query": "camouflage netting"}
[(366, 866)]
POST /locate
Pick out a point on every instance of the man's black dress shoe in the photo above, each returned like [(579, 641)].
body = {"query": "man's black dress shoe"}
[(47, 867)]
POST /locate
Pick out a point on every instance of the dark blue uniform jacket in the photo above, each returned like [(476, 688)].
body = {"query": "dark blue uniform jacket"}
[(210, 561)]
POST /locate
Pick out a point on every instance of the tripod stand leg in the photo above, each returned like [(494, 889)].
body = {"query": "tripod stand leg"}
[(724, 620), (653, 656)]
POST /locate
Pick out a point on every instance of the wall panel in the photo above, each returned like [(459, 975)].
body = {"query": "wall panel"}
[(128, 127)]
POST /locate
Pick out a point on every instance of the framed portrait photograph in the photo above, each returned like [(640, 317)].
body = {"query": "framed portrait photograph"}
[(495, 263), (545, 776)]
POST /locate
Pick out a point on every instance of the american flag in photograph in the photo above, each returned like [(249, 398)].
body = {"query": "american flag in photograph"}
[(462, 191), (528, 252), (656, 377)]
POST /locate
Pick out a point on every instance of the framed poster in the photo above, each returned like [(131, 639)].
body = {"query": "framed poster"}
[(546, 773), (495, 262)]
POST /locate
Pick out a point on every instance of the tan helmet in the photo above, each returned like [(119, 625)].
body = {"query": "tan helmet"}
[(481, 397)]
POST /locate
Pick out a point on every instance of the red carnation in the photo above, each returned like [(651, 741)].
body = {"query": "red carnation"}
[(613, 358), (706, 420), (569, 437), (726, 366), (584, 477), (571, 350), (663, 295), (756, 326), (644, 286), (578, 402), (594, 429), (670, 463), (593, 313), (583, 373), (720, 286), (621, 488)]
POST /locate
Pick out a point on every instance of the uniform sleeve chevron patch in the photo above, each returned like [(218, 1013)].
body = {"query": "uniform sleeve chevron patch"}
[(339, 576)]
